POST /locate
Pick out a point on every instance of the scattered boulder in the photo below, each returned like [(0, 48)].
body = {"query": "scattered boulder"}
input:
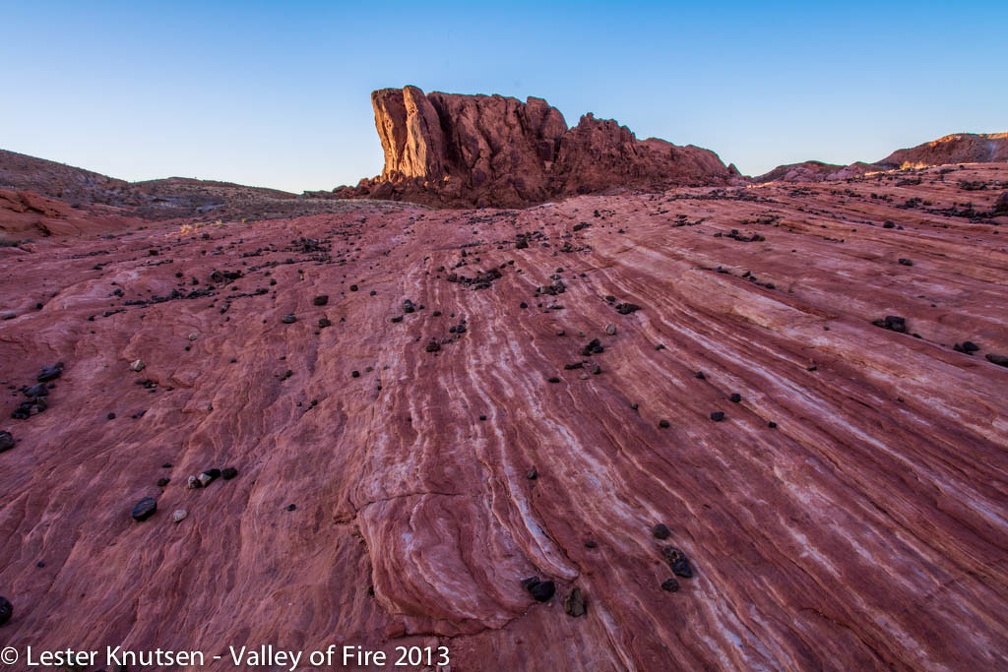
[(671, 585), (661, 531), (717, 416), (967, 347), (542, 591), (574, 604), (905, 262), (735, 398), (678, 561), (50, 372), (194, 483), (892, 323), (289, 318), (532, 474), (137, 366), (179, 515), (433, 346), (627, 308), (227, 473), (594, 347), (610, 329), (144, 509), (320, 300), (6, 441), (6, 610), (1000, 360)]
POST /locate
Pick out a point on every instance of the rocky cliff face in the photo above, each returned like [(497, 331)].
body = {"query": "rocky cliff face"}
[(449, 149)]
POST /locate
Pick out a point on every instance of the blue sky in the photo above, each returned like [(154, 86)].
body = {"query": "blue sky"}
[(277, 94)]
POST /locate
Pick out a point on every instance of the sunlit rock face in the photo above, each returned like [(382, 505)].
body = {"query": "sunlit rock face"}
[(486, 396), (490, 150)]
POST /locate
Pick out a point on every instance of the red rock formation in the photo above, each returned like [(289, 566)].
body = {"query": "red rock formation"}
[(955, 148), (455, 149), (866, 531)]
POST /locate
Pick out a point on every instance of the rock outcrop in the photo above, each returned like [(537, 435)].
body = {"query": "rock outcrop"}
[(954, 148), (951, 149), (449, 149)]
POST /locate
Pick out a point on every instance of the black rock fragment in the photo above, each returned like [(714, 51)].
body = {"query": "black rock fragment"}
[(892, 323), (1000, 360), (626, 308), (661, 531), (320, 300), (678, 561), (542, 591), (144, 509), (227, 473), (50, 372), (671, 585), (6, 610), (717, 416), (6, 441)]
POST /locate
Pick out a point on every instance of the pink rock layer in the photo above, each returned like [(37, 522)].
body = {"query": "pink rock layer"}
[(866, 531)]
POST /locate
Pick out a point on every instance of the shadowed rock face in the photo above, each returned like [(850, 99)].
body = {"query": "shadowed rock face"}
[(393, 494), (457, 149)]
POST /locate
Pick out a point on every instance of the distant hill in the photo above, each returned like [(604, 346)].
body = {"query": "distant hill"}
[(955, 148)]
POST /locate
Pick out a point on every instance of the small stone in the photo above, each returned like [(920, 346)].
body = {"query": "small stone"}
[(610, 329), (735, 398), (700, 375), (179, 515), (663, 423), (661, 531), (892, 323), (591, 543), (194, 483), (137, 366), (671, 585), (626, 308), (542, 591), (324, 322), (6, 610), (906, 262), (1000, 360), (353, 288), (205, 478), (144, 509), (433, 346), (227, 473), (678, 561), (290, 318), (50, 372), (6, 441), (355, 374), (111, 416), (717, 416), (162, 482), (772, 425), (532, 474), (320, 300), (574, 603), (292, 507)]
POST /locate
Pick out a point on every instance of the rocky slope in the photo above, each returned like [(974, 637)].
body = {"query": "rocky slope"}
[(951, 149), (425, 408), (449, 149)]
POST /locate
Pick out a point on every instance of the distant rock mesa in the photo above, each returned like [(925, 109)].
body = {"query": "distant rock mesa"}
[(451, 149)]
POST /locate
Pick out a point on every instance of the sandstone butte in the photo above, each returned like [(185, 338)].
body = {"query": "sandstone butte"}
[(451, 149), (383, 454)]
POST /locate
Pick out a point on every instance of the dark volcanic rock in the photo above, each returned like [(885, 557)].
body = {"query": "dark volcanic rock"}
[(6, 441), (542, 591), (661, 531), (892, 323), (6, 610), (671, 585), (50, 372), (144, 509), (678, 561)]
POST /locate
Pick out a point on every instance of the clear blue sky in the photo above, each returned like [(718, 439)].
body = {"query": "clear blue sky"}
[(277, 94)]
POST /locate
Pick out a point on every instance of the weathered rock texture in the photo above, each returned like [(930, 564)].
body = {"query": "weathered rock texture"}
[(866, 531), (450, 149)]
